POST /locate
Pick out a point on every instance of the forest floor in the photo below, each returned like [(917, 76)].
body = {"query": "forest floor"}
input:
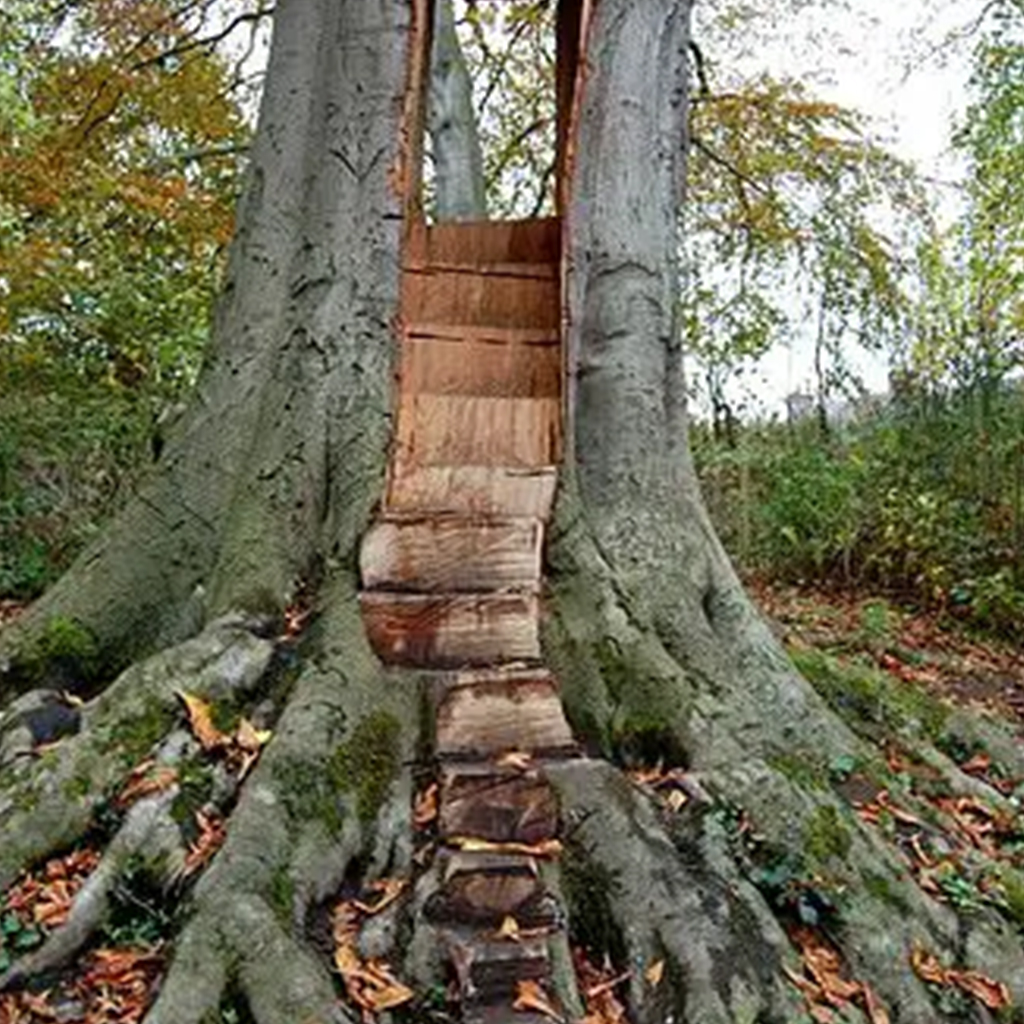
[(925, 649), (925, 652)]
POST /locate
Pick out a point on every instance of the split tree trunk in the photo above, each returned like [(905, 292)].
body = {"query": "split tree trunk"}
[(270, 482)]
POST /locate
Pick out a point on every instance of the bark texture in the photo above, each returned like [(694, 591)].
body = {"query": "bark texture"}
[(459, 185), (271, 479)]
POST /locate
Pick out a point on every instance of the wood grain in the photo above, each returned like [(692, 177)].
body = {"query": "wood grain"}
[(432, 553)]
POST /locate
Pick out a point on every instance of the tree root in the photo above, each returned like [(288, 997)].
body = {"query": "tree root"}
[(48, 803), (301, 825), (752, 734), (148, 832)]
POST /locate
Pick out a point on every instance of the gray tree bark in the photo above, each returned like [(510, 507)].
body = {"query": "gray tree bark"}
[(459, 183), (270, 482)]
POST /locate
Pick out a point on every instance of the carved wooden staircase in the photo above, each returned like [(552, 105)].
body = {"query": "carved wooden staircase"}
[(451, 573)]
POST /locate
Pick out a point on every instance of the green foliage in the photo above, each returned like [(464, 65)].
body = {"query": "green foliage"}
[(16, 938), (138, 914), (120, 142), (923, 499)]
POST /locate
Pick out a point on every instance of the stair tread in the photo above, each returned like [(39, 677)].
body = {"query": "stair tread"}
[(459, 366), (454, 554), (467, 487), (451, 630), (456, 429)]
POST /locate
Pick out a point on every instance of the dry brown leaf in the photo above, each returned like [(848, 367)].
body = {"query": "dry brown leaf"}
[(606, 986), (200, 720), (519, 759), (145, 780), (212, 834), (425, 808), (389, 888), (530, 996), (877, 1013), (654, 972), (994, 994), (471, 844)]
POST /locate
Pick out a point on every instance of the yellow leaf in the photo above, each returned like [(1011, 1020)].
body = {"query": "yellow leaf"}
[(201, 721), (471, 844), (677, 800), (519, 759), (509, 929), (530, 996), (249, 738), (654, 972)]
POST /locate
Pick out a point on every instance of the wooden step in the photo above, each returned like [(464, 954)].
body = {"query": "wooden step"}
[(483, 889), (442, 366), (487, 490), (452, 554), (499, 805), (545, 271), (492, 716), (488, 970), (464, 297), (446, 430), (426, 631), (537, 240)]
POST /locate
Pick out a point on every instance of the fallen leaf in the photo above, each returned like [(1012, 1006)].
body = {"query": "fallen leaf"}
[(654, 972), (145, 780), (607, 986), (471, 844), (389, 888), (530, 996), (200, 720), (212, 833), (994, 994), (249, 738), (677, 800), (519, 759), (509, 929), (877, 1013), (425, 808)]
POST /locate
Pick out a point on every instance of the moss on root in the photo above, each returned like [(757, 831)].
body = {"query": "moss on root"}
[(368, 762), (868, 699)]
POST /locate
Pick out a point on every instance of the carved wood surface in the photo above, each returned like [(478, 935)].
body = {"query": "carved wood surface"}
[(452, 575)]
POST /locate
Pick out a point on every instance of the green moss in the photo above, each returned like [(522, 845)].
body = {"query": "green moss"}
[(805, 770), (195, 786), (308, 793), (647, 705), (368, 763), (588, 888), (1011, 890), (870, 699), (133, 738), (825, 835), (282, 894), (882, 889), (65, 653)]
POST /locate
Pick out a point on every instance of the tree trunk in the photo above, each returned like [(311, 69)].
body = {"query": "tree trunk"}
[(260, 503)]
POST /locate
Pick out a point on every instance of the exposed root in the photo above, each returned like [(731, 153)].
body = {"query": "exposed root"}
[(723, 948), (148, 832), (302, 822), (48, 803)]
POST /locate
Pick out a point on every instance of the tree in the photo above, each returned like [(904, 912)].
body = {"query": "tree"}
[(256, 510)]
